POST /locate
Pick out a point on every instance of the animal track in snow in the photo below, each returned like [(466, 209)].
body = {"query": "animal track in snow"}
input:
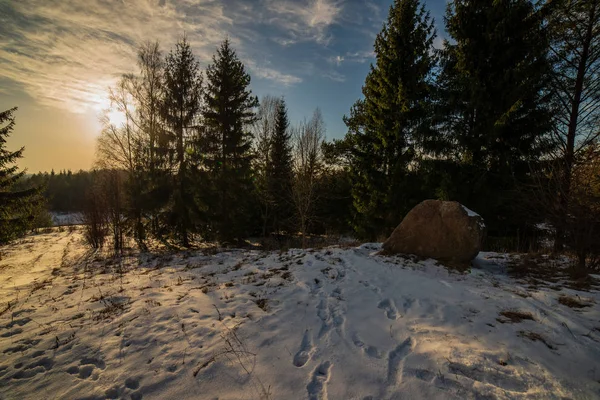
[(390, 308), (371, 351), (396, 360), (317, 387), (305, 352)]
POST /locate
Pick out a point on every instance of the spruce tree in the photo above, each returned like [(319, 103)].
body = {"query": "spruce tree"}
[(384, 126), (228, 112), (17, 207), (494, 112), (279, 170), (181, 112)]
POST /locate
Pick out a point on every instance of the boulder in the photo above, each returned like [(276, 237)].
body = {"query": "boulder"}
[(443, 230)]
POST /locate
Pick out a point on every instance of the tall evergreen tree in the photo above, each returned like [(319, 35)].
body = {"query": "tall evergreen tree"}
[(181, 112), (493, 105), (279, 170), (384, 127), (228, 113), (16, 206)]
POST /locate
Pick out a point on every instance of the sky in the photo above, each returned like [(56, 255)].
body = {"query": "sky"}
[(59, 57)]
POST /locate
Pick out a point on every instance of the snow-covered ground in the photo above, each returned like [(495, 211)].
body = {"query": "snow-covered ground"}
[(245, 324), (66, 218)]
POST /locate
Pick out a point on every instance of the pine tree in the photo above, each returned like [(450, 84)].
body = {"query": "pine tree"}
[(279, 170), (228, 113), (17, 207), (384, 127), (181, 112), (495, 115)]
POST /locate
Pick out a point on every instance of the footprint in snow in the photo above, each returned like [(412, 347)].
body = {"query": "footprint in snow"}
[(317, 387), (390, 308), (337, 294), (322, 311), (132, 383), (306, 350), (371, 351), (396, 360), (39, 366), (86, 367), (374, 289)]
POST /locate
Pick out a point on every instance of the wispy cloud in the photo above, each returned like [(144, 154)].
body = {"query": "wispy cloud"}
[(304, 20), (66, 53), (334, 76), (265, 72), (352, 57)]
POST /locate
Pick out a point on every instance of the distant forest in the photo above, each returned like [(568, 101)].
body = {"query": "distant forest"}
[(504, 118)]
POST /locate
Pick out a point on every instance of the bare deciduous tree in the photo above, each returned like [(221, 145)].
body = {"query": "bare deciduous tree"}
[(308, 162), (575, 50), (263, 130)]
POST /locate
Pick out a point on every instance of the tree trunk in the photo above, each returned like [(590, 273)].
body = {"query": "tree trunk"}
[(572, 133)]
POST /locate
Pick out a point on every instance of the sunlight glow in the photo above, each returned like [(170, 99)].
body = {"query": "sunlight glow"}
[(105, 109), (115, 117)]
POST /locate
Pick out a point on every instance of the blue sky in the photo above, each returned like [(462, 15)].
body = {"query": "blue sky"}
[(58, 57)]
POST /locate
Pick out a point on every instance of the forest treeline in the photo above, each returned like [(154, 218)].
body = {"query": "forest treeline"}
[(504, 118)]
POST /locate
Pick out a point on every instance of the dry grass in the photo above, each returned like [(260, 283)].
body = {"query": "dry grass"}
[(515, 316), (536, 337), (263, 304), (573, 302)]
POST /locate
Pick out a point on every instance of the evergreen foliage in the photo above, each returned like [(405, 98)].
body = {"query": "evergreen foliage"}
[(17, 207), (181, 108), (385, 127), (494, 111), (229, 110), (279, 170)]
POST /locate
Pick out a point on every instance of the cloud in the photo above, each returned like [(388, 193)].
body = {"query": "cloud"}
[(304, 20), (66, 53), (334, 76), (353, 57), (264, 72)]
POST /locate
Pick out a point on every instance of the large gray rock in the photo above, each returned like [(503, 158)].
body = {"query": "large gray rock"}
[(443, 230)]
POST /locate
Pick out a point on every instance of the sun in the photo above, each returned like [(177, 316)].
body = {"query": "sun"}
[(106, 109), (115, 117)]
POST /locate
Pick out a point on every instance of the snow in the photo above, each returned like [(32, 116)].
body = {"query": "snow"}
[(470, 212), (334, 323), (66, 218)]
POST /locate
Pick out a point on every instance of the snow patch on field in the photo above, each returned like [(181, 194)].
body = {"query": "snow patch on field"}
[(302, 324)]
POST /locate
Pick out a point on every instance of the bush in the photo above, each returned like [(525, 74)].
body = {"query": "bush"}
[(95, 219)]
